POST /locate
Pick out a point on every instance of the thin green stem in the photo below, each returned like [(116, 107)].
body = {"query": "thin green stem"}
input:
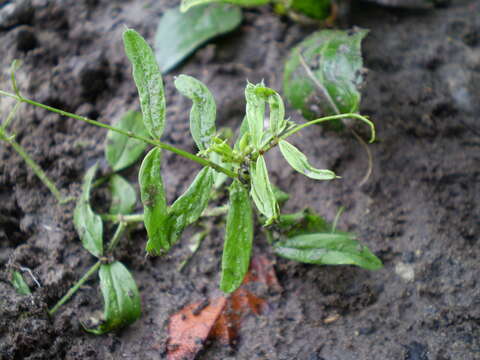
[(10, 116), (318, 121), (74, 289), (162, 145), (122, 218), (117, 236), (330, 118), (36, 169), (119, 218)]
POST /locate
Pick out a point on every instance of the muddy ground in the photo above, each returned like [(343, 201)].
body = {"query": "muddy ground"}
[(419, 211)]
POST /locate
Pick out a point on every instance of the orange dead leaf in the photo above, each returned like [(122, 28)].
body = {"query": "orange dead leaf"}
[(190, 327), (219, 318)]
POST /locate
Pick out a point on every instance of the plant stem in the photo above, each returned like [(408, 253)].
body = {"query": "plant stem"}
[(74, 289), (119, 218), (162, 145), (36, 169), (122, 218), (117, 236)]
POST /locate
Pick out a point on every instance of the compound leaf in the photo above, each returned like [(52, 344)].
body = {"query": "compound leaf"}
[(299, 162), (122, 151), (89, 225), (154, 202), (324, 72), (328, 249), (238, 239), (121, 298), (204, 110), (188, 207), (149, 81), (179, 34), (124, 196), (262, 192)]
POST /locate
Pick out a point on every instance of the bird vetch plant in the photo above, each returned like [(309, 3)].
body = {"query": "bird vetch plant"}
[(303, 236)]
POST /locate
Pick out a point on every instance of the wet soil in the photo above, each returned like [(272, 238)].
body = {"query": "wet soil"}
[(419, 211)]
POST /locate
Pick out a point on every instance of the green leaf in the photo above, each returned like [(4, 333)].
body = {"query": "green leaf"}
[(19, 283), (122, 151), (255, 113), (299, 162), (124, 197), (324, 72), (328, 249), (303, 222), (121, 298), (154, 202), (187, 4), (257, 97), (204, 110), (188, 207), (261, 191), (280, 196), (277, 114), (89, 225), (238, 239), (316, 9), (149, 82), (179, 34)]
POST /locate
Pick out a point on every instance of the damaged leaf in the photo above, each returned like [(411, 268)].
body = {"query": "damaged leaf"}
[(219, 318), (323, 73)]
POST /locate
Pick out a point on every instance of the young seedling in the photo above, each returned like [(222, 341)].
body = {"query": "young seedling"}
[(303, 236)]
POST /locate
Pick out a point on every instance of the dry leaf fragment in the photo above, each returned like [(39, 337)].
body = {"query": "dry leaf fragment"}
[(219, 318)]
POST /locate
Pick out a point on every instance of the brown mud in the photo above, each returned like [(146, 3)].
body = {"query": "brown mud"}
[(419, 211)]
